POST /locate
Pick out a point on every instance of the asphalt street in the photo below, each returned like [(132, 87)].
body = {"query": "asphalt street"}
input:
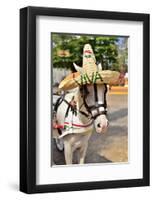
[(111, 146)]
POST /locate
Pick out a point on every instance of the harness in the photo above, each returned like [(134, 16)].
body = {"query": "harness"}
[(75, 111), (98, 108), (93, 111)]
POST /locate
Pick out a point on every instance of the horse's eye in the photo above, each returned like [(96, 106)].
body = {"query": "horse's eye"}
[(84, 91), (81, 89)]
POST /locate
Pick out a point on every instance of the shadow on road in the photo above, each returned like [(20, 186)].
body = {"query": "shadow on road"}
[(91, 157), (118, 114)]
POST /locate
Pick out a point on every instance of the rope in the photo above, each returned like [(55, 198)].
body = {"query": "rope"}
[(71, 125)]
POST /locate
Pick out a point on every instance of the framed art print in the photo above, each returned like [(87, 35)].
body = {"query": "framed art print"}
[(84, 99)]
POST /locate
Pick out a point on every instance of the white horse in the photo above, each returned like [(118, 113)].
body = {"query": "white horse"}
[(77, 113)]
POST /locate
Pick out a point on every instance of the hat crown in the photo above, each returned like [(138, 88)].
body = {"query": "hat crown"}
[(89, 60)]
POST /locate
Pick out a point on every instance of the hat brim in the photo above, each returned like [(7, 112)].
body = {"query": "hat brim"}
[(99, 77)]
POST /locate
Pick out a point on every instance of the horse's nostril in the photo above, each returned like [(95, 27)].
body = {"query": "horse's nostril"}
[(98, 125)]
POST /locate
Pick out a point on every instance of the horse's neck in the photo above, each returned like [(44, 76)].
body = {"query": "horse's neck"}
[(75, 95), (80, 106), (79, 100)]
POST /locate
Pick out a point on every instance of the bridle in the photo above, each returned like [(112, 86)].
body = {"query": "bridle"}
[(93, 110), (98, 108)]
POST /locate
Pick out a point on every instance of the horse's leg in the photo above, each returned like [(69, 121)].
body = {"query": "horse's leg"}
[(82, 152), (83, 148), (68, 152)]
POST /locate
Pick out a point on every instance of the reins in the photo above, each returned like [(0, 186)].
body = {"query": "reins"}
[(73, 108), (70, 107), (74, 111)]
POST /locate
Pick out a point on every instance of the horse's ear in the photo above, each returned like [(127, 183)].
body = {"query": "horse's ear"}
[(100, 67), (77, 68)]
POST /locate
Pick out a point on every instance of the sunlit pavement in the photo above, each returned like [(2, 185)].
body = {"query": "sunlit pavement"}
[(119, 90), (113, 145)]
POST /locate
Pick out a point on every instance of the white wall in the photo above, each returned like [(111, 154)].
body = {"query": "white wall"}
[(9, 98)]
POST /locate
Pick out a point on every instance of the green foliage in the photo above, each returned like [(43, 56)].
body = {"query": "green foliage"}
[(105, 48)]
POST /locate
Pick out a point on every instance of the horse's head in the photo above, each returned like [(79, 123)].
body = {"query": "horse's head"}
[(94, 98)]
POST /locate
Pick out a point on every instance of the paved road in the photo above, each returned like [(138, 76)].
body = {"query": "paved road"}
[(109, 147)]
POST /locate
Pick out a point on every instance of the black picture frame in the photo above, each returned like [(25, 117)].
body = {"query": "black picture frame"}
[(28, 99)]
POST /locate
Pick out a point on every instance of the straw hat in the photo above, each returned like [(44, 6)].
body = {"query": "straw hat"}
[(90, 73)]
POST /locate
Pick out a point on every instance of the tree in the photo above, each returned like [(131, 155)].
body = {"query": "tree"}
[(123, 54), (68, 48)]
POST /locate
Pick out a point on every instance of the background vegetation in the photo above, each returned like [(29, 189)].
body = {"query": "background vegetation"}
[(110, 51)]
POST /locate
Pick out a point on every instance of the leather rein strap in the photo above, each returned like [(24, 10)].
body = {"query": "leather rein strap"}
[(98, 105)]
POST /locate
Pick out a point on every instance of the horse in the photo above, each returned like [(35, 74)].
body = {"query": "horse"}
[(76, 114)]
